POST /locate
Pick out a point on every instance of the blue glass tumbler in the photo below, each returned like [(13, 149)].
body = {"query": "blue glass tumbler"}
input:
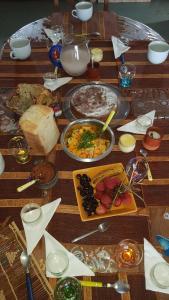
[(126, 75)]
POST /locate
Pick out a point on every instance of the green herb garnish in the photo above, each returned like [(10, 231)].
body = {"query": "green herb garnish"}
[(86, 139)]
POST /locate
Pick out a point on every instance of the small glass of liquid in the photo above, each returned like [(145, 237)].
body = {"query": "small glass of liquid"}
[(57, 262), (160, 275), (68, 288), (126, 75), (31, 213), (19, 148), (128, 254)]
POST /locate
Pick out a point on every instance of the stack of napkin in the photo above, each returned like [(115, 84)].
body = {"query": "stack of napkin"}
[(151, 257)]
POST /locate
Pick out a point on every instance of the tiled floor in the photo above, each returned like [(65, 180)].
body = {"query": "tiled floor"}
[(16, 13)]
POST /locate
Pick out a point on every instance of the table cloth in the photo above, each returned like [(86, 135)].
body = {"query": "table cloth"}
[(66, 224)]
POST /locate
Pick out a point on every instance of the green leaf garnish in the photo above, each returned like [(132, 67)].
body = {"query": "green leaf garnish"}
[(86, 139)]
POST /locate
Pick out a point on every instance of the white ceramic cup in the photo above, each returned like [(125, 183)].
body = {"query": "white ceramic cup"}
[(83, 11), (20, 48), (157, 52)]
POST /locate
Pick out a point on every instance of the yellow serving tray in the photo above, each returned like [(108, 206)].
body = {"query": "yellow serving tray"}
[(119, 172)]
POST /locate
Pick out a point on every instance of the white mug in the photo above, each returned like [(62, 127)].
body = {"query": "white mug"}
[(157, 52), (83, 11), (21, 48)]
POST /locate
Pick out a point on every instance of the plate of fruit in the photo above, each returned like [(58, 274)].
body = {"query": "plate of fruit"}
[(103, 192)]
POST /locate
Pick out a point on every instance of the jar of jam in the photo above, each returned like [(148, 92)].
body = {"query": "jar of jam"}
[(46, 174), (152, 139), (93, 71)]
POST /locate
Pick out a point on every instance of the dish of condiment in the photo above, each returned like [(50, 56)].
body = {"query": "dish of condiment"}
[(127, 143), (46, 174)]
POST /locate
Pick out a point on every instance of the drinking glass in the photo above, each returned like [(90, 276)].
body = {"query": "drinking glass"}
[(57, 262), (160, 275), (126, 75), (19, 148), (68, 288), (31, 213), (128, 254)]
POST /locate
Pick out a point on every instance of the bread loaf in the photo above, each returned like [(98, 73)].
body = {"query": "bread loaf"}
[(39, 128)]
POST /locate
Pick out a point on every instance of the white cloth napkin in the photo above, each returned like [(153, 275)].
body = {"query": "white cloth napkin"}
[(35, 231), (151, 257), (118, 46), (57, 83), (54, 37), (75, 268), (133, 127)]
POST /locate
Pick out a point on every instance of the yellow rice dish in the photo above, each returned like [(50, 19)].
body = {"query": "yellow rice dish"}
[(85, 142)]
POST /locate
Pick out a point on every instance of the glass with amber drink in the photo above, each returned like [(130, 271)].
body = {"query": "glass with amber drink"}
[(19, 148), (128, 254)]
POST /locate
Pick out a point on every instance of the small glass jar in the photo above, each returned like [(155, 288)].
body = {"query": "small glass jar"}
[(127, 143), (128, 254), (97, 54), (57, 262), (160, 275), (152, 139), (68, 288), (31, 213), (19, 148), (49, 78), (93, 71)]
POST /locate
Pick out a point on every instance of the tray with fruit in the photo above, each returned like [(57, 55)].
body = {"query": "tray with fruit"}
[(103, 192)]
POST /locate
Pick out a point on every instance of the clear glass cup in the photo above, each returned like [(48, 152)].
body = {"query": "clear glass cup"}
[(136, 169), (128, 254), (49, 79), (57, 262), (31, 213), (126, 75), (160, 275), (19, 148), (68, 288)]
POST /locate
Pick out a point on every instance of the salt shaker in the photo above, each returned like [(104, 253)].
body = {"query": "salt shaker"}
[(2, 164)]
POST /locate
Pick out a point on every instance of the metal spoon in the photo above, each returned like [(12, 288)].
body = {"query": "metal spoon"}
[(120, 286), (101, 227), (24, 258), (149, 174)]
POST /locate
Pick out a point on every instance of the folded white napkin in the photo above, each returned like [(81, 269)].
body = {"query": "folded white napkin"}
[(57, 83), (151, 257), (35, 231), (118, 47), (133, 127), (53, 36), (75, 268)]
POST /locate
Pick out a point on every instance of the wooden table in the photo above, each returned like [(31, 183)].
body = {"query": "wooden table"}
[(66, 224)]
